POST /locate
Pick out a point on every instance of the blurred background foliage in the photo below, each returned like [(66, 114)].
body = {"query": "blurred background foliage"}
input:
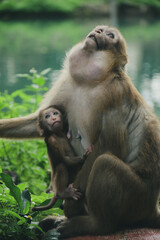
[(71, 6), (40, 5)]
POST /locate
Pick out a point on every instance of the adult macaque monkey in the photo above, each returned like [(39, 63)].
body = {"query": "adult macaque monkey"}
[(52, 124), (121, 177)]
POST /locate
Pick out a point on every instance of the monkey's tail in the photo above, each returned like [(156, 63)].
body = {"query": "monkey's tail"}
[(20, 127), (46, 207)]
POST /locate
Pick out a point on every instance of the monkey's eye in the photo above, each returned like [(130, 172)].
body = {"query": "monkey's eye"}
[(47, 116), (111, 35), (55, 113)]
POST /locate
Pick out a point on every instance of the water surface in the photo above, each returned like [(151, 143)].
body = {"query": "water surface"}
[(42, 44)]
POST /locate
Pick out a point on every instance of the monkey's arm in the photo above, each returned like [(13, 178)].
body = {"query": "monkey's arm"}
[(22, 127), (73, 160), (25, 127)]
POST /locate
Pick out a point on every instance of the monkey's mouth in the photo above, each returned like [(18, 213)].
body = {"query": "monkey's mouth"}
[(56, 124), (92, 36)]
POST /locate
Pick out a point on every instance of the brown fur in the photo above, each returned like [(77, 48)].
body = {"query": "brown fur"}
[(121, 177), (64, 164)]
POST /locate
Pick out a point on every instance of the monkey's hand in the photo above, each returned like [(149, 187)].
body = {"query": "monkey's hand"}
[(87, 152), (70, 192), (75, 194)]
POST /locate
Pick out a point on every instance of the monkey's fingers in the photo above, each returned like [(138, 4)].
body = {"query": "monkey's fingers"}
[(70, 185), (91, 148), (77, 195), (69, 135), (75, 189), (88, 151), (85, 155)]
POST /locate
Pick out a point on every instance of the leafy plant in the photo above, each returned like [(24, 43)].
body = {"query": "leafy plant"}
[(28, 159), (17, 221), (35, 168)]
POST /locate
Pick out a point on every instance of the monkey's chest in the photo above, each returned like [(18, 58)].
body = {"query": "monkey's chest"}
[(84, 118)]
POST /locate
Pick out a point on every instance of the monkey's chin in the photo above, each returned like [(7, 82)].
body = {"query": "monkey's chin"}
[(90, 44)]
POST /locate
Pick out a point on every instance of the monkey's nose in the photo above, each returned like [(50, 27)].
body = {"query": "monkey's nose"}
[(97, 31)]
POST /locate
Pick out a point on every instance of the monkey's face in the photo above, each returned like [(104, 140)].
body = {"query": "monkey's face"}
[(102, 50), (52, 119), (102, 38)]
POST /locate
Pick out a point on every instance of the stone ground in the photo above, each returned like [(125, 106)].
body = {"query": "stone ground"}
[(135, 234)]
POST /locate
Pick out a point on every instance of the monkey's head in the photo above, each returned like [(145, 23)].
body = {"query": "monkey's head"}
[(52, 120), (105, 38), (102, 51)]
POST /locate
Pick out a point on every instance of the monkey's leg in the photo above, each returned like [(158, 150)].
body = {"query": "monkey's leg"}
[(49, 223), (74, 208), (22, 127), (115, 196)]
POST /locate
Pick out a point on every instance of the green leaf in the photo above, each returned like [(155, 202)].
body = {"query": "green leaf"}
[(45, 71), (13, 214), (58, 203), (36, 226), (27, 207), (51, 235), (39, 81), (26, 199), (57, 211), (22, 221), (22, 186), (20, 93), (14, 190), (24, 75)]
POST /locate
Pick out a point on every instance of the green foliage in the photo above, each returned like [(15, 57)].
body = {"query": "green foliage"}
[(14, 190), (153, 3), (17, 221), (40, 5), (63, 6), (29, 160), (51, 235)]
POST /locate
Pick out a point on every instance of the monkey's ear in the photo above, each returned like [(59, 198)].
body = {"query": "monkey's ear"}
[(40, 130)]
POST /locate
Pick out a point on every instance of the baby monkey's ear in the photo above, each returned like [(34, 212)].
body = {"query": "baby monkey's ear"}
[(40, 130)]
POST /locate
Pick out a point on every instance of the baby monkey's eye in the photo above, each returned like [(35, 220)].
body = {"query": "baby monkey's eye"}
[(111, 35), (47, 116), (55, 113)]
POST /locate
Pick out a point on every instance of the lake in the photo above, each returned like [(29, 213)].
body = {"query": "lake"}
[(42, 44)]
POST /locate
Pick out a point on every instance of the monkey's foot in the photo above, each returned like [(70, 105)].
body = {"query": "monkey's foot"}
[(51, 222)]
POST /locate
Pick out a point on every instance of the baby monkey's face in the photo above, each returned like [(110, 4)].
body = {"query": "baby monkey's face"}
[(53, 119)]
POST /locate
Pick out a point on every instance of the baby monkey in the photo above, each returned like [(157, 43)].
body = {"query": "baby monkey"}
[(53, 125)]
